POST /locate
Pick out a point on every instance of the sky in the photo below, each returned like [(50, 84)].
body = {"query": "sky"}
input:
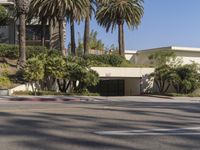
[(165, 23)]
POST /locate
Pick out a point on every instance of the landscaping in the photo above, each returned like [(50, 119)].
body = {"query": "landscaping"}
[(49, 73)]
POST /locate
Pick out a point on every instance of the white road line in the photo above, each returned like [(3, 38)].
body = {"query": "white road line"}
[(174, 131)]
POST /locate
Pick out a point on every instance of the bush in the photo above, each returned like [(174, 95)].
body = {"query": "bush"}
[(5, 82), (4, 16), (186, 79), (33, 71), (12, 52), (99, 60)]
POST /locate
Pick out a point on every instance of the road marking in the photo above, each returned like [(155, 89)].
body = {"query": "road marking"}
[(159, 131)]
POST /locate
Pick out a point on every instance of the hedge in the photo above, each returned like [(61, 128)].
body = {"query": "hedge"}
[(12, 51), (112, 60)]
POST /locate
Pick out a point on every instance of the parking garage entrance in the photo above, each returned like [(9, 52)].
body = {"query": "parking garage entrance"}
[(114, 87)]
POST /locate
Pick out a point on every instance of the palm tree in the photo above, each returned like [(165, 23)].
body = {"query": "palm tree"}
[(34, 12), (77, 12), (112, 13), (54, 11), (90, 10), (22, 7), (57, 11)]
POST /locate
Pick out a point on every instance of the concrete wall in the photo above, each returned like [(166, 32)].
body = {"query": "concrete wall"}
[(132, 57), (132, 86), (188, 57), (24, 87), (120, 72), (132, 77)]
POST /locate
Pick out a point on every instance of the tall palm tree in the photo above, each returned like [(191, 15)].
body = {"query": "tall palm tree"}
[(22, 7), (76, 14), (55, 11), (112, 13), (34, 12), (90, 10)]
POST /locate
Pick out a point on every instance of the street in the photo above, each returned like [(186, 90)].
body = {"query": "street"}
[(120, 123)]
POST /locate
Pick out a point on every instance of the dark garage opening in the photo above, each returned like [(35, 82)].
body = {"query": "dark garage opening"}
[(109, 88)]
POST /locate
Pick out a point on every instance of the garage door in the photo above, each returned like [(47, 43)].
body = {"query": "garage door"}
[(109, 88)]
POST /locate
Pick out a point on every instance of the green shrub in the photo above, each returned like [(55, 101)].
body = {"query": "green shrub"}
[(99, 60), (4, 16), (5, 82), (33, 72), (12, 51)]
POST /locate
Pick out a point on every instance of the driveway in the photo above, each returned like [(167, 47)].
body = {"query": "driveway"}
[(102, 123)]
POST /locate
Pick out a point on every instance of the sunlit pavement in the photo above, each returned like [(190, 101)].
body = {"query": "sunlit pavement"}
[(100, 123)]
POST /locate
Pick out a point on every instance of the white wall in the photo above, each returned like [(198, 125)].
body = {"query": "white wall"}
[(131, 76), (132, 86), (188, 57), (23, 87), (120, 72), (132, 57)]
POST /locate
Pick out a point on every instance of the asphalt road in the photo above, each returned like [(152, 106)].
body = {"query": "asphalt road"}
[(129, 123)]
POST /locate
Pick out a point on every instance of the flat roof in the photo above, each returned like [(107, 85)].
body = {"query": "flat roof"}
[(130, 51), (173, 48), (6, 3)]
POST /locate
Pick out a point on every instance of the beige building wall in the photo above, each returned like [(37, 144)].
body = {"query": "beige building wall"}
[(133, 78), (186, 55), (132, 86)]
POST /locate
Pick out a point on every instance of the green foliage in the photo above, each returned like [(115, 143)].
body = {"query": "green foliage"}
[(12, 51), (74, 71), (55, 66), (162, 76), (110, 13), (79, 71), (161, 58), (4, 16), (33, 71), (110, 60), (4, 70), (95, 43), (5, 82), (186, 79)]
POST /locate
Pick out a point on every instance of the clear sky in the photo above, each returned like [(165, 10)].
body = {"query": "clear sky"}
[(165, 23)]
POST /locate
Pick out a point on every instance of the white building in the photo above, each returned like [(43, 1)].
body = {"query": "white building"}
[(135, 81), (186, 54)]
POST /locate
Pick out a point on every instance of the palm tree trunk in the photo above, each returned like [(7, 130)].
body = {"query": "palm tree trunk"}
[(51, 36), (43, 34), (73, 45), (61, 35), (87, 35), (22, 40), (120, 38), (123, 39)]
